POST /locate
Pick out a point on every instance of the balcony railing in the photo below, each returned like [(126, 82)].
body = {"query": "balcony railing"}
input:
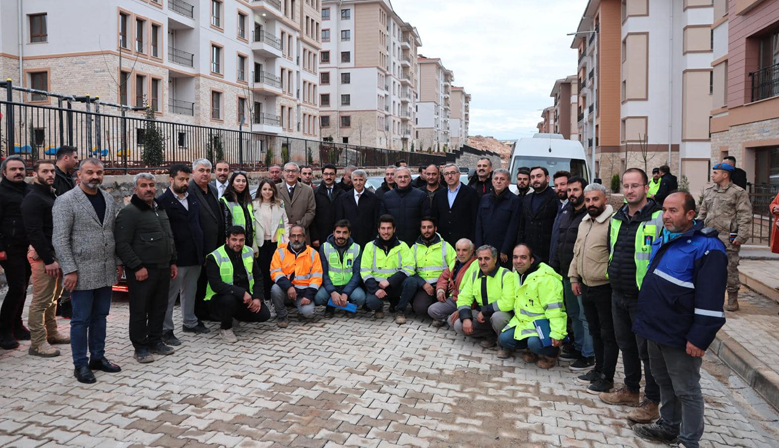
[(267, 78), (584, 83), (765, 83), (266, 37), (589, 143), (181, 57), (581, 116), (275, 3), (182, 7), (582, 56), (386, 108), (591, 74), (182, 107), (591, 108), (592, 36), (269, 119)]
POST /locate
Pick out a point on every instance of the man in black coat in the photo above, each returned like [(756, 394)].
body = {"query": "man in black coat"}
[(482, 179), (455, 207), (325, 197), (497, 217), (211, 222), (184, 215), (539, 210), (739, 176), (66, 166), (668, 184), (408, 205), (346, 180), (389, 181), (361, 208), (13, 252)]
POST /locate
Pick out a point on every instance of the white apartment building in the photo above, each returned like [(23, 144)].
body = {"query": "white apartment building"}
[(368, 75), (218, 63), (460, 119), (434, 108)]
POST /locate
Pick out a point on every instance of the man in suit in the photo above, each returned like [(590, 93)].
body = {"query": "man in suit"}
[(66, 166), (211, 222), (325, 196), (455, 207), (298, 198), (222, 177), (539, 210), (184, 216), (407, 205), (361, 208), (83, 240)]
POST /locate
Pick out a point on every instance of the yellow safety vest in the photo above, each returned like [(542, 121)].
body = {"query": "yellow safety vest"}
[(226, 267), (236, 211), (431, 260), (340, 271), (653, 187), (646, 234), (379, 266)]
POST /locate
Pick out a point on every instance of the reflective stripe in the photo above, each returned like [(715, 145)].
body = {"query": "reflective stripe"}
[(553, 306), (674, 280), (281, 253), (316, 274), (528, 332), (275, 270), (432, 268), (528, 313), (303, 277), (709, 313), (644, 256)]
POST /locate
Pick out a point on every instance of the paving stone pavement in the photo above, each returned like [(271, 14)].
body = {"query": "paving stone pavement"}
[(756, 320), (331, 383)]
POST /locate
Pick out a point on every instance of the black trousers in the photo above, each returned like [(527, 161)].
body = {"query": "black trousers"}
[(264, 258), (227, 307), (201, 307), (17, 274), (597, 309), (633, 346), (148, 304)]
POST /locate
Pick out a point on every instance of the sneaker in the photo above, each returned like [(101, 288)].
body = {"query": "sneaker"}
[(58, 338), (654, 432), (161, 349), (143, 356), (504, 353), (378, 314), (329, 312), (488, 343), (282, 323), (546, 362), (599, 386), (271, 308), (569, 355), (438, 323), (621, 396), (589, 377), (400, 318), (583, 363), (646, 412), (44, 351), (228, 336), (530, 357), (200, 328), (170, 339)]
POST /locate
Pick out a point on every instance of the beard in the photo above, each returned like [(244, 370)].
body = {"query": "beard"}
[(180, 189), (576, 200), (595, 211), (297, 245)]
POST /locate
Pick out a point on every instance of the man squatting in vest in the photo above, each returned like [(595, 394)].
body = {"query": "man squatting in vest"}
[(340, 257)]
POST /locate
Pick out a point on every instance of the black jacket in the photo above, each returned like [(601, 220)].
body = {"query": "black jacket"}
[(481, 188), (211, 218), (343, 186), (13, 237), (418, 182), (324, 220), (408, 205), (739, 177), (622, 267), (63, 182), (240, 278), (187, 234), (496, 221), (383, 189), (668, 185), (364, 218), (535, 229), (431, 194), (459, 221), (570, 218), (36, 215), (143, 236)]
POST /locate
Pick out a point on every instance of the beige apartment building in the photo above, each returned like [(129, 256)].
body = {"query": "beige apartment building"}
[(566, 101), (434, 108), (547, 123), (460, 119)]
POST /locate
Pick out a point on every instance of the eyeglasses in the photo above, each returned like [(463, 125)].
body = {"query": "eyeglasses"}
[(239, 172), (290, 171), (453, 173)]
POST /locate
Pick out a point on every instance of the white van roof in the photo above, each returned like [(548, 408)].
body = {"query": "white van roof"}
[(553, 145)]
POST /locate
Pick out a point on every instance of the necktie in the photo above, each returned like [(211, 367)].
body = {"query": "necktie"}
[(357, 200), (291, 191), (330, 194)]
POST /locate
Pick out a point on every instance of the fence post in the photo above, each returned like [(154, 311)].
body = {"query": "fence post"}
[(61, 124), (70, 123), (240, 144), (98, 138), (89, 128), (9, 116), (124, 150)]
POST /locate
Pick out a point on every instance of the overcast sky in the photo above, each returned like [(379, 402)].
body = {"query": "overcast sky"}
[(505, 53)]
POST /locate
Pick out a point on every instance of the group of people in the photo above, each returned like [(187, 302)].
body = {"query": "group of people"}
[(554, 271)]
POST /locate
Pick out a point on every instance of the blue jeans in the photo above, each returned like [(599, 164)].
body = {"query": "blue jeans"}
[(88, 327), (357, 296), (533, 343), (582, 340)]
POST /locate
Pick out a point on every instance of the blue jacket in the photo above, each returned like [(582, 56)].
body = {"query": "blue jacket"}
[(684, 289), (496, 221), (354, 282)]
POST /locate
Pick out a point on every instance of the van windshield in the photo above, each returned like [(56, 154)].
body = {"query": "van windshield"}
[(577, 167)]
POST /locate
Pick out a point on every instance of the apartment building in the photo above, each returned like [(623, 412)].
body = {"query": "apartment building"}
[(368, 74), (434, 111), (566, 101), (218, 63), (460, 119), (745, 101), (547, 123)]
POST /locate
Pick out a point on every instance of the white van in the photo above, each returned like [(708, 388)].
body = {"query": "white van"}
[(551, 151)]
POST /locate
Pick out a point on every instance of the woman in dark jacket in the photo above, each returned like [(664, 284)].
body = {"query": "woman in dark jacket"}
[(236, 203)]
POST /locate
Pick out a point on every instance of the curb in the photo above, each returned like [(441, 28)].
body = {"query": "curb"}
[(758, 286), (759, 376)]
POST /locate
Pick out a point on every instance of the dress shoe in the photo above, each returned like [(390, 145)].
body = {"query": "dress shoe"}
[(200, 328), (21, 333), (84, 375), (8, 342), (104, 365)]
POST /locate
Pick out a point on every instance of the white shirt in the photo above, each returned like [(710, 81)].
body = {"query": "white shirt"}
[(183, 201), (357, 196), (220, 187), (290, 187)]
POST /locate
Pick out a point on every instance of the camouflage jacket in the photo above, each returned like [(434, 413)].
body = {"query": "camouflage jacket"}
[(728, 210)]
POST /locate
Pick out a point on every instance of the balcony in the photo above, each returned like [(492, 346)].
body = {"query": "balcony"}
[(591, 109), (582, 56), (405, 114), (591, 74), (765, 83), (592, 36), (266, 123), (405, 133), (405, 77), (386, 108), (268, 82), (265, 44), (406, 61), (386, 87), (581, 117), (272, 6), (182, 7), (181, 57), (405, 96), (405, 43), (181, 107)]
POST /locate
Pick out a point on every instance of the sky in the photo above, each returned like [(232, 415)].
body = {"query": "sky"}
[(506, 53)]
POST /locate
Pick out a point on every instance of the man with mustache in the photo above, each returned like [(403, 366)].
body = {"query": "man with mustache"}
[(482, 179), (296, 271), (340, 257), (539, 210)]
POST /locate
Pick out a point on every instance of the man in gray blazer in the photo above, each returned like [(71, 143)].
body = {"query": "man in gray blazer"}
[(298, 198), (83, 240)]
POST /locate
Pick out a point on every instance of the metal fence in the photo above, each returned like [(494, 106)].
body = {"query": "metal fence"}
[(762, 220)]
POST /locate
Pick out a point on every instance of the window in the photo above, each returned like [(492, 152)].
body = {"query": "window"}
[(346, 78), (325, 35), (216, 58), (326, 14), (711, 82), (324, 78), (324, 99), (241, 110), (39, 81), (140, 84), (346, 56), (241, 26), (181, 139), (38, 31), (124, 24), (155, 94), (324, 121), (124, 88), (216, 13), (346, 35), (324, 57), (346, 121), (216, 105), (140, 25), (346, 100), (346, 14), (241, 68), (155, 41)]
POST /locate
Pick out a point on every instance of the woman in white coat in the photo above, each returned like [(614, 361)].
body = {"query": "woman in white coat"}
[(271, 228)]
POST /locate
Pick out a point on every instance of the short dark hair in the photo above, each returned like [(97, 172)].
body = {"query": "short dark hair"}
[(434, 165), (235, 230), (640, 171), (688, 202), (562, 173), (343, 223), (524, 170), (65, 150), (222, 161), (306, 166), (580, 180), (542, 168), (665, 168), (421, 169), (38, 164), (429, 218), (330, 166), (731, 158), (387, 218), (177, 168), (397, 163), (529, 249)]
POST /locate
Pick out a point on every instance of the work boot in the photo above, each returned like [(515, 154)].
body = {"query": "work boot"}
[(546, 362), (621, 396), (44, 351), (732, 301), (654, 432), (400, 318), (58, 338), (504, 353), (646, 412), (438, 323), (228, 336), (378, 314), (488, 343), (530, 357)]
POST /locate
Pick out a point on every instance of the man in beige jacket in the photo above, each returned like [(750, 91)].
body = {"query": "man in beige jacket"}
[(588, 278)]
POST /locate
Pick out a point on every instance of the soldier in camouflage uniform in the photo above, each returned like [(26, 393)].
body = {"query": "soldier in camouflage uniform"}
[(726, 207)]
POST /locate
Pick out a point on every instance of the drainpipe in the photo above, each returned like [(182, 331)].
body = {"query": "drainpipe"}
[(670, 79), (20, 17)]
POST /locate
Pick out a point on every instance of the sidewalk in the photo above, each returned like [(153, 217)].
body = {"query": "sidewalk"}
[(749, 341)]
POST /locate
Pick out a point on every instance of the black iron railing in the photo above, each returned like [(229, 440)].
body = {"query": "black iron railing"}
[(181, 57), (267, 38), (765, 83), (182, 7), (762, 220), (267, 78), (181, 107), (269, 119)]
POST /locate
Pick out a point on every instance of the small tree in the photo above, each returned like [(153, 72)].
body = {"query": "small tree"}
[(309, 155), (269, 157), (684, 184), (285, 153), (33, 145), (153, 143), (412, 146), (215, 151), (615, 183)]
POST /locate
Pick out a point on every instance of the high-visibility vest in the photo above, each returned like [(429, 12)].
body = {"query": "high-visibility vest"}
[(653, 187), (377, 265), (339, 270), (236, 211), (226, 267), (305, 266), (430, 261), (646, 234)]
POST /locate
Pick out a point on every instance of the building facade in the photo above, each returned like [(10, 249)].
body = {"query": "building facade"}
[(566, 102), (547, 123), (434, 108), (460, 119)]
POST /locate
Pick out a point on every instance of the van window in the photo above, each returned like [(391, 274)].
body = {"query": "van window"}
[(577, 167)]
